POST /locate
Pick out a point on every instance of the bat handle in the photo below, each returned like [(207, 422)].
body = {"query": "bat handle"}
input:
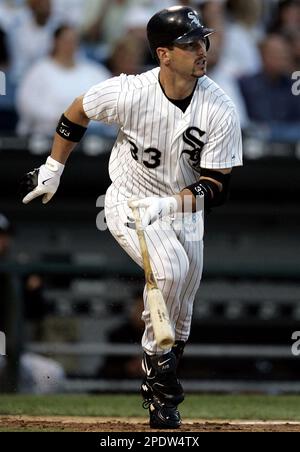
[(136, 216), (149, 276)]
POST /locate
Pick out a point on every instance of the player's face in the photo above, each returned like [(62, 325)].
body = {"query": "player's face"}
[(190, 59)]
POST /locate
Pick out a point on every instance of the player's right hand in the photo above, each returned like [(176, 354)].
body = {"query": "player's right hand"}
[(154, 208), (43, 181)]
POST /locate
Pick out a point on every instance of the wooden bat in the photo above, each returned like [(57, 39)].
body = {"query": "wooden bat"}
[(163, 331)]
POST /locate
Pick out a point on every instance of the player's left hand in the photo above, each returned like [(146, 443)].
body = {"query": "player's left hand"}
[(43, 181), (155, 208)]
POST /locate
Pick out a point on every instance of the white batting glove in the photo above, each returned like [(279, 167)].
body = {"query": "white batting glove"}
[(43, 181), (155, 208)]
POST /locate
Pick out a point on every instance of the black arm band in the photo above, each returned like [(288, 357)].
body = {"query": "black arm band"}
[(213, 197), (69, 130)]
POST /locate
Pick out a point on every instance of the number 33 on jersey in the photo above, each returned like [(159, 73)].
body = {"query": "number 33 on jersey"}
[(159, 149)]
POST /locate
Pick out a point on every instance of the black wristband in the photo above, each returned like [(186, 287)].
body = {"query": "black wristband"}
[(213, 197), (69, 130), (204, 188)]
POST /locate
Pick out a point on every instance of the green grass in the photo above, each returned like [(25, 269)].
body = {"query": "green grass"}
[(224, 407)]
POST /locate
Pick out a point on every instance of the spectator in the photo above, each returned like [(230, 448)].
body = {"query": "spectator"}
[(52, 84), (268, 94), (294, 42), (287, 17), (213, 13), (73, 12), (91, 11), (8, 117), (37, 374), (31, 34), (240, 54), (108, 21), (225, 80), (8, 11), (127, 56), (135, 22)]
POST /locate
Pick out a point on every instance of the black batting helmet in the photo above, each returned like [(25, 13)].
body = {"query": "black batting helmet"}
[(176, 25)]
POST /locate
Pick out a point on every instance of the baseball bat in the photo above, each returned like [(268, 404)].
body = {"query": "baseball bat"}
[(163, 331)]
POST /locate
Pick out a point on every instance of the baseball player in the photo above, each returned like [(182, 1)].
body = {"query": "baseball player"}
[(179, 138)]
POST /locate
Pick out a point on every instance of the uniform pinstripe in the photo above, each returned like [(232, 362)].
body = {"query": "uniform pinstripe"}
[(158, 152)]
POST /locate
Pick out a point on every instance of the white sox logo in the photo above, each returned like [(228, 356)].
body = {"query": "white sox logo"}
[(194, 19), (197, 145)]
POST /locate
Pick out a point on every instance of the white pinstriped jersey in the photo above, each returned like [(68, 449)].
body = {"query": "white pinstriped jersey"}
[(160, 150)]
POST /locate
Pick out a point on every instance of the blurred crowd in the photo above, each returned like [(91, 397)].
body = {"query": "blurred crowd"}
[(53, 50)]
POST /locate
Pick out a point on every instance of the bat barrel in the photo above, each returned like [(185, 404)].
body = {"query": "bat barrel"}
[(166, 343), (163, 330)]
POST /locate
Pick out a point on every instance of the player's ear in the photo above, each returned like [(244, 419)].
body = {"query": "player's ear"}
[(163, 54)]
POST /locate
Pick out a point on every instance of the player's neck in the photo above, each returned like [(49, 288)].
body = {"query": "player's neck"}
[(176, 87)]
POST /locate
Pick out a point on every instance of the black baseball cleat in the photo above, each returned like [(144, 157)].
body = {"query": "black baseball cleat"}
[(164, 416), (161, 390)]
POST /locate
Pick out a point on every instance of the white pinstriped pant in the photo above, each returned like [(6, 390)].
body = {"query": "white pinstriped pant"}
[(177, 261)]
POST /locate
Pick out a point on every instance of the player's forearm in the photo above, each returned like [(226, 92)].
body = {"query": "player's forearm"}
[(63, 143), (61, 149), (188, 201), (209, 191)]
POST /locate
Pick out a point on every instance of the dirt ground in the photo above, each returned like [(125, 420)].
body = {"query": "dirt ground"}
[(85, 424)]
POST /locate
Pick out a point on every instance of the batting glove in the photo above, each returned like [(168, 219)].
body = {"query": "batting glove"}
[(155, 208), (43, 181)]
